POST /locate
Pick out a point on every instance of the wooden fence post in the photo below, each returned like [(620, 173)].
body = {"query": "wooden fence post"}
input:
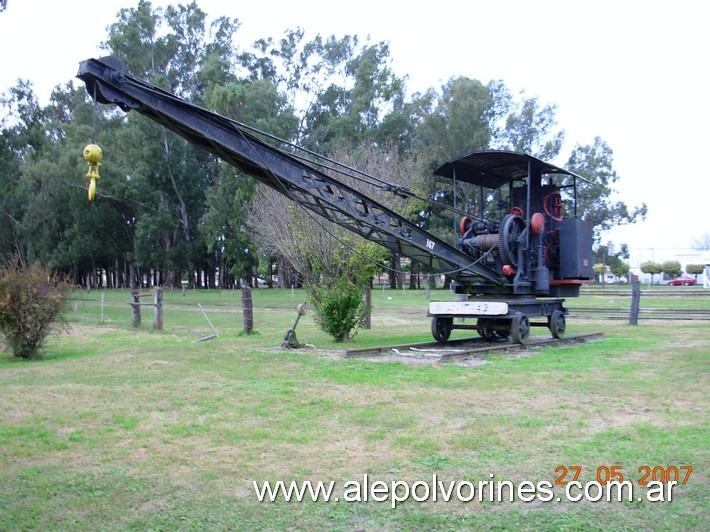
[(635, 302), (158, 308), (136, 308), (247, 309)]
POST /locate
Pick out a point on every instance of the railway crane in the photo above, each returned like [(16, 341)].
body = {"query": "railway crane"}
[(508, 268)]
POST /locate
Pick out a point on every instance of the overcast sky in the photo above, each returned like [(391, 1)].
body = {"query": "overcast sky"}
[(631, 72)]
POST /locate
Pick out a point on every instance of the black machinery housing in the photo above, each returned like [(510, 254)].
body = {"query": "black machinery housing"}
[(537, 243)]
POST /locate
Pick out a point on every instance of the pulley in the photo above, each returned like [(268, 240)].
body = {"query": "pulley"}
[(511, 228)]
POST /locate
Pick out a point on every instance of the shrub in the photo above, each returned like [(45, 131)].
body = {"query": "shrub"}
[(651, 267), (31, 301), (672, 268), (340, 308), (695, 269)]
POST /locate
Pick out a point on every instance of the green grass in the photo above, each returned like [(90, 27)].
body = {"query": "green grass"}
[(119, 428)]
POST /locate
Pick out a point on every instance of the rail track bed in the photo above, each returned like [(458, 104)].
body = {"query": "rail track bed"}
[(644, 313), (460, 349)]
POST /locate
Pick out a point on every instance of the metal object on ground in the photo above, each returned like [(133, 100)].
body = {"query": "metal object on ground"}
[(214, 331), (290, 339)]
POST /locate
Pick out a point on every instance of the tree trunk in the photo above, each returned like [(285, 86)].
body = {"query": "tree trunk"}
[(132, 280), (412, 277), (394, 270)]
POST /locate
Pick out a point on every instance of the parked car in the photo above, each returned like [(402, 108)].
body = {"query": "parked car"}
[(682, 281)]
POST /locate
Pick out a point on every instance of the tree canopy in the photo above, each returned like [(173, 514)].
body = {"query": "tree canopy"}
[(168, 212)]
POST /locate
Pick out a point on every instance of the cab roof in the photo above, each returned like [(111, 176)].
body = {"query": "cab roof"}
[(495, 168)]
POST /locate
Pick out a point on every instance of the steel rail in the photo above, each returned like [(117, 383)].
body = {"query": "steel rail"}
[(463, 348)]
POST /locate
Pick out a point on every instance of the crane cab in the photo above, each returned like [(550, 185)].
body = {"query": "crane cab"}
[(522, 225)]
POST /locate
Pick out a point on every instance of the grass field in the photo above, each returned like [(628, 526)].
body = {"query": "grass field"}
[(122, 428)]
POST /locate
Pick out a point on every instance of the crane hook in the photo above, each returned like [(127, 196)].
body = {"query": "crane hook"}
[(92, 156)]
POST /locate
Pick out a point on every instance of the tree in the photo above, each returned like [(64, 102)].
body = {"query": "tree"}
[(651, 268), (616, 262), (529, 128), (695, 269), (13, 198), (168, 175), (360, 109), (599, 270), (340, 308), (24, 141), (461, 119), (224, 226), (619, 268), (595, 202), (702, 243), (135, 38), (334, 264), (672, 268), (323, 252)]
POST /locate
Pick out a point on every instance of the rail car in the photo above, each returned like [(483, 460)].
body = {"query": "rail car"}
[(537, 243), (516, 259)]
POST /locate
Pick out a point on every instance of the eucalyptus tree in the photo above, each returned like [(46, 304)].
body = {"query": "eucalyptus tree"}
[(342, 91), (12, 194), (73, 234), (531, 128), (459, 118), (258, 103), (23, 141), (595, 197), (174, 49), (362, 109)]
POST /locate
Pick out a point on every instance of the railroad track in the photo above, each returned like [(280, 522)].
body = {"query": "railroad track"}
[(680, 292), (644, 313), (461, 349)]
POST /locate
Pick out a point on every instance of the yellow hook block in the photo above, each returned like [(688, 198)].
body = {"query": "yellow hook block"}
[(92, 156)]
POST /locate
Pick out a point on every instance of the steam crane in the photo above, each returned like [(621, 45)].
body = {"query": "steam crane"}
[(507, 271)]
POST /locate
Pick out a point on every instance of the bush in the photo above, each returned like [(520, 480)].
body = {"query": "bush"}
[(340, 308), (651, 267), (672, 268), (31, 300)]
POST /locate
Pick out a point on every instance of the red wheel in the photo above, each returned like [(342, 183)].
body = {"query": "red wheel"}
[(517, 211), (553, 208), (464, 225)]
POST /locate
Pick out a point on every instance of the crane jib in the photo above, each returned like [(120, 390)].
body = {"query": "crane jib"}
[(320, 193)]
